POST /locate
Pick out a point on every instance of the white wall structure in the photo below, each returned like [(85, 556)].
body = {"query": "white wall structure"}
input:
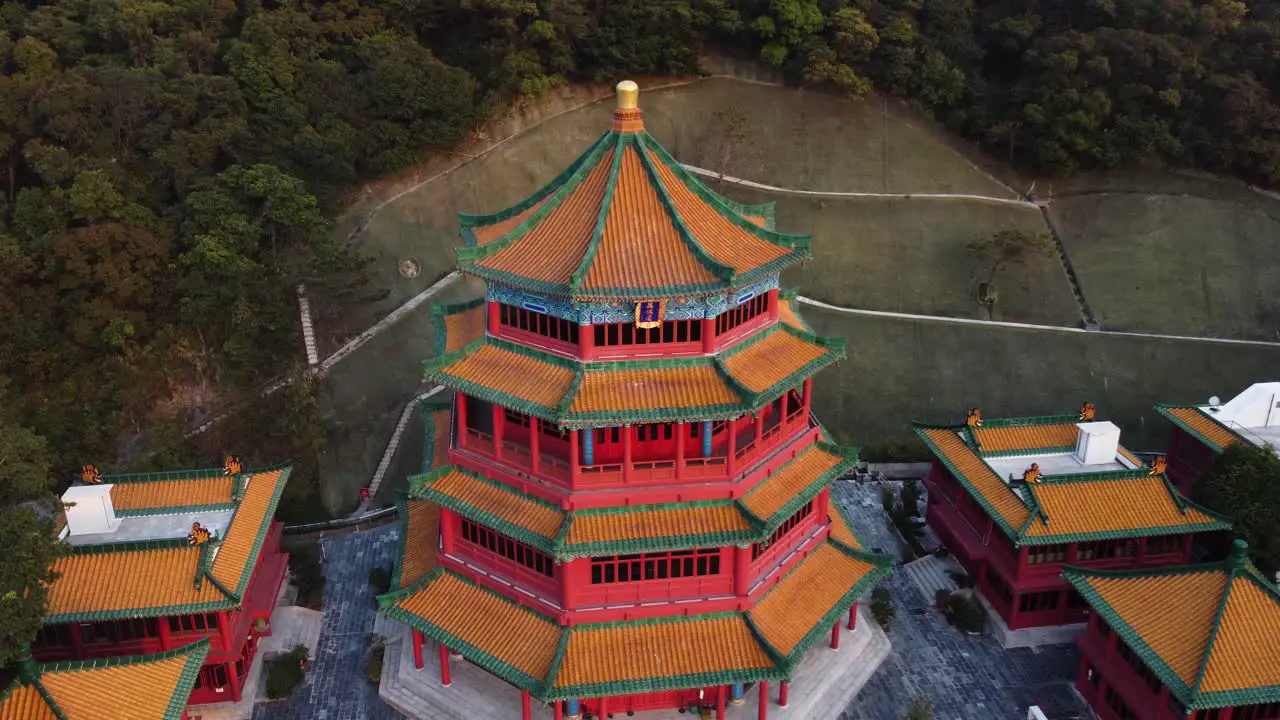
[(1097, 442), (90, 510), (1257, 406)]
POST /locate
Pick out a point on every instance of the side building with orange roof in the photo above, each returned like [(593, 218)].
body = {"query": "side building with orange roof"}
[(159, 561), (633, 508), (1017, 499), (1202, 431), (1198, 642)]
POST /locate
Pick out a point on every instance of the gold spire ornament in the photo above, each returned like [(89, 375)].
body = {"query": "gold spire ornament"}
[(1087, 411), (231, 465), (1032, 474), (973, 418), (1159, 465), (91, 474), (628, 95), (199, 534)]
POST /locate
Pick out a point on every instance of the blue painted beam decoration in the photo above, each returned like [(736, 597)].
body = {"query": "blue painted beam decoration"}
[(601, 312)]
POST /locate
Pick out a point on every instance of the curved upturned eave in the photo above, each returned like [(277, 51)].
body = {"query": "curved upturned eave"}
[(650, 152)]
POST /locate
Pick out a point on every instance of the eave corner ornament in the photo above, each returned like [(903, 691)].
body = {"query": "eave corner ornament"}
[(1087, 411), (1159, 465), (649, 313), (1032, 474), (231, 466), (973, 418), (91, 474), (199, 534)]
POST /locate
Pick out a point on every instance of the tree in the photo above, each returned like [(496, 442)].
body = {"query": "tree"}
[(999, 250), (25, 574), (919, 709), (1244, 485)]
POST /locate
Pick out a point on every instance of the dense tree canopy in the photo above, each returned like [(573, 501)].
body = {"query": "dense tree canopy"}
[(1244, 484)]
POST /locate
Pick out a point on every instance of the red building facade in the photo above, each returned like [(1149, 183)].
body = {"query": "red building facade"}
[(1199, 641), (630, 463), (143, 586), (1088, 502), (1200, 432)]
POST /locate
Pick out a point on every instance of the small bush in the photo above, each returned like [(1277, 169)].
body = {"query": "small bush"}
[(919, 709), (380, 581), (308, 575), (882, 607), (942, 599), (967, 614), (286, 673), (909, 498), (886, 499), (373, 670)]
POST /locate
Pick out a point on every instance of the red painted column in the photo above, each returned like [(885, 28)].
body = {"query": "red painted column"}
[(783, 687), (492, 317), (742, 570), (535, 430), (417, 649), (575, 467), (444, 666), (759, 430), (773, 305), (720, 703), (234, 680), (682, 432), (708, 335), (448, 538), (587, 342), (853, 616), (1186, 549), (835, 636), (603, 711), (162, 626), (808, 396), (559, 710), (460, 406), (499, 420), (628, 435), (524, 704), (224, 630), (732, 446), (764, 700)]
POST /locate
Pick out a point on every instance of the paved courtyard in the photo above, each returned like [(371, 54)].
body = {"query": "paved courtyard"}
[(964, 678)]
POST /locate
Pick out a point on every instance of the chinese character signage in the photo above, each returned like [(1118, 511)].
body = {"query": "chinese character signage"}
[(649, 314)]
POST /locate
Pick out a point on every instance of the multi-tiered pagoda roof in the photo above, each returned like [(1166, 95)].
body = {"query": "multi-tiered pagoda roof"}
[(630, 310)]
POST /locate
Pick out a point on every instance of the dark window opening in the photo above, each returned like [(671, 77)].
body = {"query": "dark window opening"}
[(677, 331), (747, 311), (758, 549), (499, 544), (655, 566), (556, 328)]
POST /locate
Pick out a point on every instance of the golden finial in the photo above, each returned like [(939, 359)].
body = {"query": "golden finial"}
[(91, 474), (231, 465), (1087, 412), (973, 418), (1159, 465), (628, 95), (199, 534), (1031, 474)]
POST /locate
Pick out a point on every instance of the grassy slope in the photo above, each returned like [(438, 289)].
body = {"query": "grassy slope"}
[(932, 371), (789, 138), (1176, 264)]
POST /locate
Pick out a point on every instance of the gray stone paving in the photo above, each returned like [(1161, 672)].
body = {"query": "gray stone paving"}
[(336, 688), (964, 678)]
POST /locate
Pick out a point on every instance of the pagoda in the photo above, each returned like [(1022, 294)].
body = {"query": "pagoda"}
[(627, 507)]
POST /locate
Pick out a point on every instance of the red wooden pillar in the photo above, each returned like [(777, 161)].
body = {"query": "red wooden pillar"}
[(835, 636), (492, 317), (524, 705), (808, 396), (759, 429), (417, 649), (764, 700), (460, 407), (575, 467), (535, 430), (853, 616), (773, 305), (1186, 549), (587, 341), (682, 432), (77, 638), (603, 711), (499, 420), (742, 570), (162, 626), (559, 710), (708, 335), (732, 445), (628, 434), (444, 666), (448, 538), (234, 679), (783, 687), (224, 630), (720, 703)]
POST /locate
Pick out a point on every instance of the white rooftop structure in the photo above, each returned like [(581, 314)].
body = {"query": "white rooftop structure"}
[(91, 520), (1097, 450), (1254, 414)]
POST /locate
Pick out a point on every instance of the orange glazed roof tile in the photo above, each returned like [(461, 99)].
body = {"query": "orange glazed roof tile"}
[(419, 541), (140, 687), (652, 388), (637, 528), (512, 642), (789, 311), (1210, 632), (841, 529), (778, 354), (1025, 437), (1200, 425), (823, 586), (437, 419), (986, 486), (1087, 506), (798, 481), (167, 495), (491, 503), (507, 374), (661, 654), (458, 324), (626, 221), (148, 578)]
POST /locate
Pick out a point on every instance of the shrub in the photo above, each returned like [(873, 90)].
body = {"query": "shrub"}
[(942, 599), (967, 615), (285, 673), (909, 498), (919, 709), (307, 575), (886, 499), (882, 607), (380, 581), (373, 670)]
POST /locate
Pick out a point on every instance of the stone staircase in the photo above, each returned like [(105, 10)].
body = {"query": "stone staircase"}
[(308, 332), (291, 626), (931, 574)]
